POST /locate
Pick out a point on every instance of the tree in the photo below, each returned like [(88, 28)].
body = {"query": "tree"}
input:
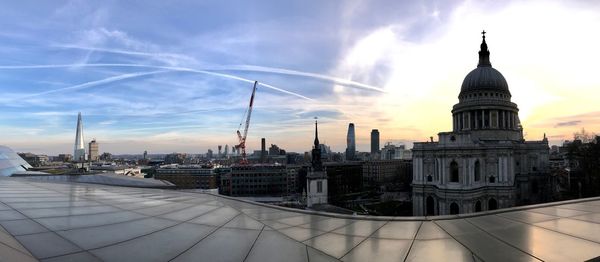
[(584, 136), (590, 165), (584, 158)]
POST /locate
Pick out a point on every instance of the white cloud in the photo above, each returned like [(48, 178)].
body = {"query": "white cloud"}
[(543, 58)]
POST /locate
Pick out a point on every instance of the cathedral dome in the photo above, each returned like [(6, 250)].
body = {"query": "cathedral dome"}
[(484, 77)]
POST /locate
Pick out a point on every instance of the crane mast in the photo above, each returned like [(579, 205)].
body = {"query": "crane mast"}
[(242, 137)]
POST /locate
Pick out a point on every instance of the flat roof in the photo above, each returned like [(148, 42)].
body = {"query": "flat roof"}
[(63, 220)]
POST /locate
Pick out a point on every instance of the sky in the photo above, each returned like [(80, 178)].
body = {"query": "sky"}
[(176, 76)]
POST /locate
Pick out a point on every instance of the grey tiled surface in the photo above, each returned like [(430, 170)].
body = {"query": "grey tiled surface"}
[(64, 221)]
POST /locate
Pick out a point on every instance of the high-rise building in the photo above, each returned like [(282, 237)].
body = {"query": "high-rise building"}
[(93, 150), (145, 154), (220, 147), (351, 143), (263, 150), (226, 153), (209, 153), (79, 150), (374, 141)]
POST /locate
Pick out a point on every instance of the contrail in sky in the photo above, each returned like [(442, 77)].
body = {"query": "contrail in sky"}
[(169, 57), (250, 81), (159, 56), (125, 76), (96, 83), (283, 71), (247, 68)]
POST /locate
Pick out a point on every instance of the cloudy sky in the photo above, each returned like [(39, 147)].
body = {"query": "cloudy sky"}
[(168, 76)]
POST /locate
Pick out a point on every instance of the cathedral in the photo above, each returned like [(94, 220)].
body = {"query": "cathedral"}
[(484, 163)]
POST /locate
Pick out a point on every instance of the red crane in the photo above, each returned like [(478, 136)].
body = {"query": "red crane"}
[(242, 138)]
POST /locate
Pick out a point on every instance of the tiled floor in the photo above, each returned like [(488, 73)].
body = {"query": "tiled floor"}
[(64, 221)]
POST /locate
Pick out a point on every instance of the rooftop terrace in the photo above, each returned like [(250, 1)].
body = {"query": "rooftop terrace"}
[(62, 220)]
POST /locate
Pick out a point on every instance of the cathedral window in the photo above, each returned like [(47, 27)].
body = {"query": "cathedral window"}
[(478, 206), (492, 204), (492, 179), (486, 118), (454, 172), (454, 209), (429, 178), (319, 186), (535, 188), (477, 171), (430, 206)]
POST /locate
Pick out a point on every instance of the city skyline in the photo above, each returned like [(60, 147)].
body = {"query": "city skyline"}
[(149, 81)]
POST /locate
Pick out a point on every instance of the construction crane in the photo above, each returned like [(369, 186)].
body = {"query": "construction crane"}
[(242, 138)]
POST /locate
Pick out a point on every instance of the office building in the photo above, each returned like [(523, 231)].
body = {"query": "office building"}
[(374, 142), (255, 181), (189, 177), (351, 143), (93, 150), (175, 158), (387, 175), (263, 150), (392, 152)]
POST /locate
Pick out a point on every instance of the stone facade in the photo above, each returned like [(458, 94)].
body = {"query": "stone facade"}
[(484, 163)]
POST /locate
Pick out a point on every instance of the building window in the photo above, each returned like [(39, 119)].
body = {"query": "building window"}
[(477, 171), (319, 186), (429, 178), (486, 118), (492, 204), (492, 179), (454, 209), (478, 206), (453, 172), (430, 206)]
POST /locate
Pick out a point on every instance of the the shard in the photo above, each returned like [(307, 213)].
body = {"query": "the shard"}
[(79, 151)]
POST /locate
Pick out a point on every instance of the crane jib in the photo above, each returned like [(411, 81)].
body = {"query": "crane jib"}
[(242, 138)]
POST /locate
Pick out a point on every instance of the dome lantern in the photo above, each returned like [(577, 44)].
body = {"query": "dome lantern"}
[(484, 53), (484, 78)]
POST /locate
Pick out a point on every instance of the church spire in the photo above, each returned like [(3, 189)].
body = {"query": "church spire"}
[(316, 134), (317, 164), (484, 53)]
